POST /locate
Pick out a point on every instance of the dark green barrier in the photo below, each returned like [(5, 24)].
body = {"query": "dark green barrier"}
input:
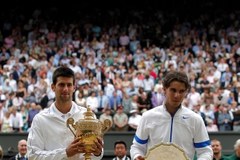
[(8, 141)]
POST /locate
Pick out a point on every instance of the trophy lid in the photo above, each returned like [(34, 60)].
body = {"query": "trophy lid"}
[(88, 125), (89, 115)]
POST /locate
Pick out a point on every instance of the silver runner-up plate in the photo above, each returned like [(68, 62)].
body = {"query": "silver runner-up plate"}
[(166, 151)]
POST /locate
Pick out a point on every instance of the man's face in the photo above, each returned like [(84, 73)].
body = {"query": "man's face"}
[(22, 147), (175, 94), (216, 147), (120, 150), (238, 151), (64, 88)]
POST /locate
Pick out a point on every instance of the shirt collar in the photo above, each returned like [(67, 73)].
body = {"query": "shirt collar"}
[(179, 108), (19, 156), (56, 112), (122, 158)]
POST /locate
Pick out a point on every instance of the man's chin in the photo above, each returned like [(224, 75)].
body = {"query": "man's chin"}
[(176, 104), (66, 98)]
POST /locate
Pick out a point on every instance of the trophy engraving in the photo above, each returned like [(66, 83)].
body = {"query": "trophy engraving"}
[(88, 129)]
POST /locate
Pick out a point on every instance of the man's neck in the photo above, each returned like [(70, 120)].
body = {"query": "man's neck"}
[(217, 156), (63, 108)]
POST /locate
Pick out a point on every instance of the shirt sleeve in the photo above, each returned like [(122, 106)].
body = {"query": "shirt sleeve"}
[(36, 145), (202, 142), (140, 140)]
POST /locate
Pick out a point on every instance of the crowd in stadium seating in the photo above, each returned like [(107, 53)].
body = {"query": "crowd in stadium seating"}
[(119, 60)]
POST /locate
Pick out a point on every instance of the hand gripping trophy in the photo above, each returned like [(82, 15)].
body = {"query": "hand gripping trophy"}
[(88, 129)]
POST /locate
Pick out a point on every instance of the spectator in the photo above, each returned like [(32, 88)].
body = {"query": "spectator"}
[(193, 98), (6, 124), (103, 101), (134, 120), (1, 153), (79, 99), (120, 120), (126, 102), (134, 102), (208, 111), (44, 99), (115, 100), (120, 151), (144, 102), (1, 115), (236, 154), (22, 151), (197, 109), (131, 90), (217, 150), (106, 115), (16, 120), (24, 112), (32, 113), (21, 90), (236, 116), (211, 127), (224, 120), (92, 101), (18, 101), (148, 83), (108, 88), (124, 39), (157, 97)]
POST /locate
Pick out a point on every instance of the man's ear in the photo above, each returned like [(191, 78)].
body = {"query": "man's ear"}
[(164, 90), (74, 88), (53, 87)]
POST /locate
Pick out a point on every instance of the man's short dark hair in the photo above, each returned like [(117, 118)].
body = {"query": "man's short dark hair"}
[(63, 72), (120, 142), (176, 76)]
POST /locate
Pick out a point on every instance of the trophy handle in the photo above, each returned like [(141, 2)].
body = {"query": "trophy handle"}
[(70, 121), (106, 125)]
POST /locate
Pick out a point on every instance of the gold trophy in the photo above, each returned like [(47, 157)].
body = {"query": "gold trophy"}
[(88, 129)]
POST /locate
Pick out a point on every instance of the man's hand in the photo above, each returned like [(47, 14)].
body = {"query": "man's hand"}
[(78, 146), (97, 147), (75, 147)]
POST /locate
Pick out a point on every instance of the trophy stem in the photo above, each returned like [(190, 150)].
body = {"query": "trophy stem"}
[(87, 156)]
